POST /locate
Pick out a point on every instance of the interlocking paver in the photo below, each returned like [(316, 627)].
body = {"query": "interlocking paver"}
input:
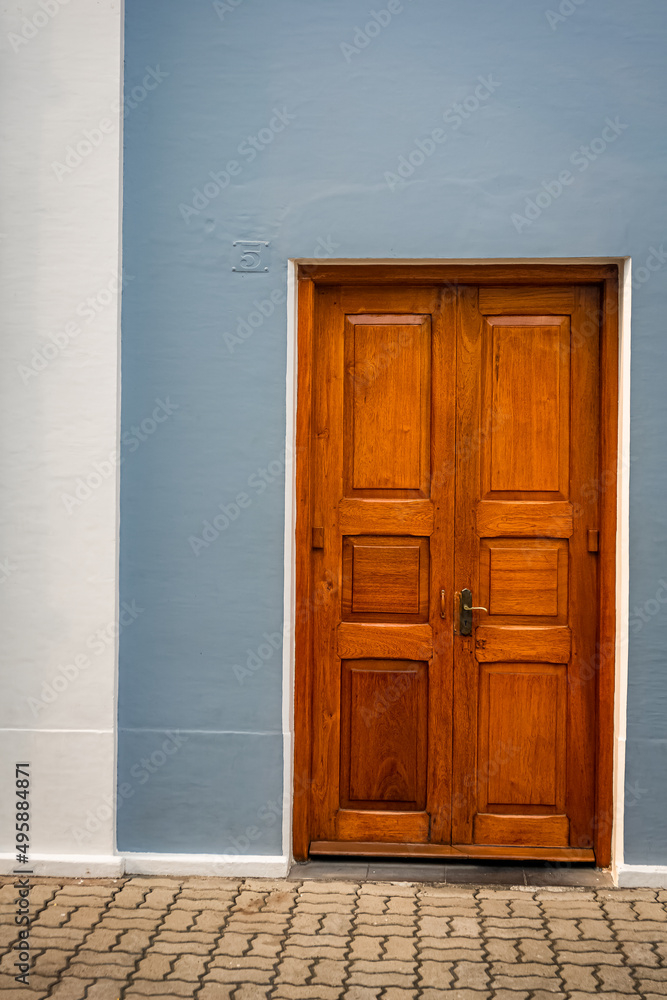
[(257, 939)]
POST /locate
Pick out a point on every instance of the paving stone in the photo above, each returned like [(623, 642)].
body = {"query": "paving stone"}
[(132, 941), (380, 979), (240, 963), (266, 945), (448, 944), (496, 908), (454, 994), (439, 975), (313, 951), (428, 926), (189, 968), (208, 921), (305, 906), (371, 904), (362, 992), (154, 967), (336, 888), (293, 970), (155, 881), (285, 991), (280, 900), (385, 925), (103, 940), (548, 982), (216, 882), (606, 947), (576, 977), (525, 908), (148, 988), (401, 949), (651, 988), (640, 954), (455, 955), (220, 991), (305, 923), (335, 923), (501, 950), (401, 904), (535, 950), (465, 927), (471, 975), (130, 896), (104, 989), (389, 889), (222, 975), (614, 978), (367, 948), (564, 929), (23, 993), (49, 963), (70, 989), (329, 972)]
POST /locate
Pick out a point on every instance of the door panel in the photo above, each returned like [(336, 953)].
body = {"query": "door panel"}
[(523, 713), (454, 441), (384, 744)]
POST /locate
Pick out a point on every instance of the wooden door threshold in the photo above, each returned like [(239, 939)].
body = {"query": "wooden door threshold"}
[(462, 852)]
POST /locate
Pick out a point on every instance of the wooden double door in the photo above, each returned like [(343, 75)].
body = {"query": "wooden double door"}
[(453, 441)]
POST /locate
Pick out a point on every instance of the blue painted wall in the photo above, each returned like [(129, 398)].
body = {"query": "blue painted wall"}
[(305, 115)]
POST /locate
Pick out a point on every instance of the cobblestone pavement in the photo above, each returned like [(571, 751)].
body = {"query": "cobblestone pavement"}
[(245, 939)]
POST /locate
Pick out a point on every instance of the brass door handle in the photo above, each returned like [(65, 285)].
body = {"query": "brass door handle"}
[(466, 609), (442, 603)]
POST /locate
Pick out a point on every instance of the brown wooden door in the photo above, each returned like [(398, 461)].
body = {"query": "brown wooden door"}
[(454, 433)]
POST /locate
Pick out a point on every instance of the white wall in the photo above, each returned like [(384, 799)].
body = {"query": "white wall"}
[(59, 261)]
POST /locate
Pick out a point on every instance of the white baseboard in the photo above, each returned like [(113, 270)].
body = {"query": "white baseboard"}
[(262, 865), (68, 865), (642, 876), (115, 865)]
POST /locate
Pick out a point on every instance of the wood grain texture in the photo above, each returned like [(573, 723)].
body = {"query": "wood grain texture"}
[(409, 517), (525, 518), (357, 640), (522, 831), (370, 849), (535, 301), (522, 644), (384, 734), (385, 578)]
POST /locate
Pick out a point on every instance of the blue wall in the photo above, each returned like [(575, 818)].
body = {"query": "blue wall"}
[(324, 180)]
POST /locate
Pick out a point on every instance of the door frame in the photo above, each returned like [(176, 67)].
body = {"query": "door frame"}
[(306, 276)]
